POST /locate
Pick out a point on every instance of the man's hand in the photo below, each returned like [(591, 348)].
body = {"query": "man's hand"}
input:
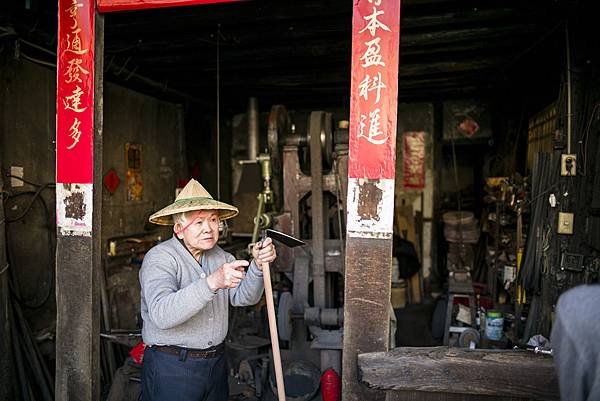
[(264, 252), (229, 275)]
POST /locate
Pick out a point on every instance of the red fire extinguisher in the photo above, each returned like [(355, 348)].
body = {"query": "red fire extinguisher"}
[(331, 386)]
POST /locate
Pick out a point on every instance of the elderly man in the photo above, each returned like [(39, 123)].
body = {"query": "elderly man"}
[(187, 284)]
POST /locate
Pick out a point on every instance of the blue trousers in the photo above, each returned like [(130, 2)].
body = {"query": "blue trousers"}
[(167, 377)]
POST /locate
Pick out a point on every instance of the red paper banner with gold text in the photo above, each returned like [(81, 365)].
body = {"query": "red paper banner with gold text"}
[(413, 160), (75, 92), (374, 90)]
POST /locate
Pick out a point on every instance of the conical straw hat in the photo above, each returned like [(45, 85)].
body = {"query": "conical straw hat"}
[(193, 197)]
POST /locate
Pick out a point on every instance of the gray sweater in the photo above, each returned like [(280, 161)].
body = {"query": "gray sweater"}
[(178, 307), (575, 343)]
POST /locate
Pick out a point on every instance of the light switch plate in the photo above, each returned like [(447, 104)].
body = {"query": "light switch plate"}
[(17, 172), (565, 223), (564, 171)]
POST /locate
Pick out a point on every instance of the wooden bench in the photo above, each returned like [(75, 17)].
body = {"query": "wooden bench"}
[(458, 374)]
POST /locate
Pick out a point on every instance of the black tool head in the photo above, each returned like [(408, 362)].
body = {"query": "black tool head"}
[(285, 239)]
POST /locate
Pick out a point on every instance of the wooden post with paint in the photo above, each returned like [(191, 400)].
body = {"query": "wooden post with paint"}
[(78, 167), (371, 173)]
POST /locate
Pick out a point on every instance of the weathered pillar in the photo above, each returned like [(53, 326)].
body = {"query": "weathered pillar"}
[(78, 199), (371, 173)]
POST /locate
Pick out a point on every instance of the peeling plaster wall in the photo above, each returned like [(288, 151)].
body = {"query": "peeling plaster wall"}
[(27, 132)]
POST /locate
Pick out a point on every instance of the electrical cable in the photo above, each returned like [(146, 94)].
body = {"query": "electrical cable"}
[(37, 61), (36, 196), (584, 140)]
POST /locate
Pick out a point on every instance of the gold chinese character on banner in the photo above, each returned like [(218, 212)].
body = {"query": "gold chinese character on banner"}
[(374, 23), (74, 43), (369, 84), (74, 133), (372, 56), (374, 135), (73, 102), (74, 69)]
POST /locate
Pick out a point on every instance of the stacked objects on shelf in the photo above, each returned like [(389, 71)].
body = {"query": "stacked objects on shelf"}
[(461, 230)]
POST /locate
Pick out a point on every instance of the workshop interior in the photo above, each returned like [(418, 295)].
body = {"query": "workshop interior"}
[(496, 201)]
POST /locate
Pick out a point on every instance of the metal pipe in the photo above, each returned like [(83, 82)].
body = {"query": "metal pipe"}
[(252, 128), (569, 100), (218, 112)]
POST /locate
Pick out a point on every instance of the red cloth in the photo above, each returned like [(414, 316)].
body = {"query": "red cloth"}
[(137, 353)]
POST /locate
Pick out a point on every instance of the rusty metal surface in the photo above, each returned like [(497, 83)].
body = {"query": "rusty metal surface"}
[(366, 309), (285, 255), (296, 184)]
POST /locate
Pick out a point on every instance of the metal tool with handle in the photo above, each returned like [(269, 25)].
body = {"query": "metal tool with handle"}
[(290, 242)]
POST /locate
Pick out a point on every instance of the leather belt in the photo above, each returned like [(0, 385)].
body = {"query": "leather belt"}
[(207, 353)]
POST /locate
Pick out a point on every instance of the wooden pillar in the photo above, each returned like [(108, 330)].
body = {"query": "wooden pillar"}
[(371, 173), (78, 199)]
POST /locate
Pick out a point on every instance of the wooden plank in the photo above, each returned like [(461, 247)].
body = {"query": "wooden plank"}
[(367, 298), (503, 373), (425, 396)]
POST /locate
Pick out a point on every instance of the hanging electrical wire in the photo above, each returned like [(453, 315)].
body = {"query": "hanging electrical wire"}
[(38, 300)]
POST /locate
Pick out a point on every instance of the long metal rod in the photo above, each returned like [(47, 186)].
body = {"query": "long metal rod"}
[(218, 112), (569, 100), (253, 128)]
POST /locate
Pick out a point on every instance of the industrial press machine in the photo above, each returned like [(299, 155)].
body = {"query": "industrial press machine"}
[(304, 187)]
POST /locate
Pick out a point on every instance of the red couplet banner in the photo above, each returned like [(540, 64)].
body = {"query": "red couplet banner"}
[(75, 92), (374, 90)]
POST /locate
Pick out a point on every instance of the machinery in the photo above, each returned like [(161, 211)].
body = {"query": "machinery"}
[(304, 187)]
